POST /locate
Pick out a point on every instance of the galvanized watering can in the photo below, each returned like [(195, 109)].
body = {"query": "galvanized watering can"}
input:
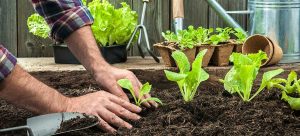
[(277, 19)]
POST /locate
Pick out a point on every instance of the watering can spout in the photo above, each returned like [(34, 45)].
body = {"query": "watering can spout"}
[(222, 13)]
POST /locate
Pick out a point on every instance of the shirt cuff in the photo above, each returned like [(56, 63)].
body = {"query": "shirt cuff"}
[(71, 20), (7, 62)]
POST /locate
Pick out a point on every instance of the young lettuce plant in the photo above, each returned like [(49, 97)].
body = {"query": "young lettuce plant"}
[(241, 36), (170, 36), (202, 35), (241, 76), (188, 79), (186, 39), (288, 86), (146, 88), (223, 35)]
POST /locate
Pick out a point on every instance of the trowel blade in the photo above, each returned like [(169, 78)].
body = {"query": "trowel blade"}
[(50, 124)]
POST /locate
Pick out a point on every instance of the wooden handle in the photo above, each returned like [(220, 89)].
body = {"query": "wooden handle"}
[(178, 9)]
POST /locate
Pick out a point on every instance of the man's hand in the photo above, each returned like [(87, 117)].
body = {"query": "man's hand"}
[(108, 80), (107, 107), (84, 47), (25, 91)]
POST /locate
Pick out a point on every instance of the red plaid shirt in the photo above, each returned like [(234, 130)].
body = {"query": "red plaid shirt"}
[(63, 16)]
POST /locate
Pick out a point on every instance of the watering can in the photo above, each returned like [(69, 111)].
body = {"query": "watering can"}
[(277, 19)]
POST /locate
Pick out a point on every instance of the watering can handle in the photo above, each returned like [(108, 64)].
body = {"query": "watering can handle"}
[(18, 128), (223, 14), (178, 9)]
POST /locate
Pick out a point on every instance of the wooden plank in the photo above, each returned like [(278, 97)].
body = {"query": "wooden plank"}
[(195, 13), (39, 47), (237, 5), (214, 19), (157, 20), (8, 31)]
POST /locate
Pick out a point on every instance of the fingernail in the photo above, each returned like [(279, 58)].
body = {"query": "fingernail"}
[(148, 105), (129, 127), (138, 117), (156, 105), (139, 109)]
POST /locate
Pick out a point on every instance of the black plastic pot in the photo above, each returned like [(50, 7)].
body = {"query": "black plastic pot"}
[(62, 55), (114, 54)]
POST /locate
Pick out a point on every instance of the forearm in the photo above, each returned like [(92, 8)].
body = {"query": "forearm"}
[(83, 45), (23, 90)]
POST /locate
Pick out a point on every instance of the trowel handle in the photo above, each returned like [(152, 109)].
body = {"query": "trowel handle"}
[(178, 9), (18, 128)]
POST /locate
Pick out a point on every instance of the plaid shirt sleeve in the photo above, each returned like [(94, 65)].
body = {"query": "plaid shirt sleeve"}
[(7, 62), (63, 16)]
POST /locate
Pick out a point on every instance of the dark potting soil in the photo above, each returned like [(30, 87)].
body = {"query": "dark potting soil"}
[(77, 123), (213, 111)]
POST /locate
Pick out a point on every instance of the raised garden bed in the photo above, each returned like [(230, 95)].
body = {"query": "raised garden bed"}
[(213, 112)]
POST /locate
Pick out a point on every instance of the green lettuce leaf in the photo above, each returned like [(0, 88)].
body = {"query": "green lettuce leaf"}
[(293, 102), (112, 26), (241, 76), (38, 26), (188, 80), (145, 89)]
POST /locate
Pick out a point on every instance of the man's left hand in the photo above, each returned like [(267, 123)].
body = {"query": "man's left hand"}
[(108, 78)]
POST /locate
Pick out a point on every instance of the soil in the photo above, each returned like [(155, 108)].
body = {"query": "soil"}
[(213, 111), (77, 123)]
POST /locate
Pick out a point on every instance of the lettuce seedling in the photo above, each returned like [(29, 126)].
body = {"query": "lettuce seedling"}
[(291, 85), (188, 79), (241, 76), (202, 35), (170, 36), (241, 35), (146, 88), (293, 102), (223, 35), (186, 39)]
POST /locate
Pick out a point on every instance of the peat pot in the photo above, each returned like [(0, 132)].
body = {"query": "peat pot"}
[(62, 55), (114, 54), (221, 54)]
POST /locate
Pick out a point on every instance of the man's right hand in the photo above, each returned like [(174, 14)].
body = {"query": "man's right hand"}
[(108, 108)]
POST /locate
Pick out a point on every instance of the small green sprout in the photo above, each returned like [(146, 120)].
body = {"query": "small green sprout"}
[(146, 88), (241, 76), (188, 79), (202, 35), (241, 35), (223, 35), (170, 36), (288, 86)]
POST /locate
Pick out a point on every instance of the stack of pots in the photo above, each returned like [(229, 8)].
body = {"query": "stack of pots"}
[(218, 55), (259, 42)]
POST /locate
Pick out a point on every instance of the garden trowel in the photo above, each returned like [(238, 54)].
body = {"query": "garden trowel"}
[(178, 15), (56, 123)]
